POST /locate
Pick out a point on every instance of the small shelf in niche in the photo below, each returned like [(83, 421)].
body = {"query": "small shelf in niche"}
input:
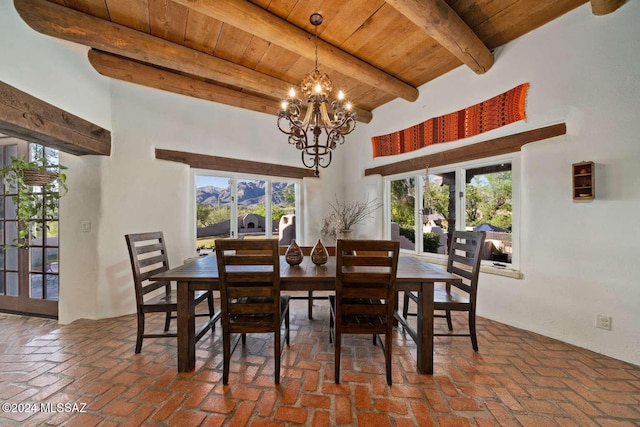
[(583, 181)]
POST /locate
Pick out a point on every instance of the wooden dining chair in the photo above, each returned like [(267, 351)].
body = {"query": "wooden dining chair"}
[(148, 255), (465, 255), (249, 272), (306, 251), (365, 294)]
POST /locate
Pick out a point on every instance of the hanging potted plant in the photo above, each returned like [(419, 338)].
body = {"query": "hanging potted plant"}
[(20, 177)]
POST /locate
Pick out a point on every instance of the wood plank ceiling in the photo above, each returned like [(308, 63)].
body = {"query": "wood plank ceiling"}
[(249, 53)]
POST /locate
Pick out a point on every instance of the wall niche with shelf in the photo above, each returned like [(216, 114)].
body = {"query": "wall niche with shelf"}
[(584, 180)]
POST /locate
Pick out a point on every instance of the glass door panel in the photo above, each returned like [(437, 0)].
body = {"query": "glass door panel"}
[(438, 211), (251, 209), (214, 200), (283, 211), (488, 194), (25, 285), (403, 217)]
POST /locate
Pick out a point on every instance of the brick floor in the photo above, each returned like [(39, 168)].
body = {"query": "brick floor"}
[(517, 379)]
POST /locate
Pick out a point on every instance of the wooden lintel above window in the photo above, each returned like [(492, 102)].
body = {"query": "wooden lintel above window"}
[(26, 117), (227, 164), (490, 148)]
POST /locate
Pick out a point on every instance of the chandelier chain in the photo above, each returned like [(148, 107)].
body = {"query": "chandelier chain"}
[(315, 41)]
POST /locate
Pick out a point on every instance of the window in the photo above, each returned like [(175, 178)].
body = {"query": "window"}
[(244, 207), (424, 209)]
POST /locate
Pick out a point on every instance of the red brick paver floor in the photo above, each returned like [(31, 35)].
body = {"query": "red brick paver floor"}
[(86, 374)]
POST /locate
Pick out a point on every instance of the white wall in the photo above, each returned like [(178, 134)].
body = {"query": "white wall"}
[(578, 259), (59, 73)]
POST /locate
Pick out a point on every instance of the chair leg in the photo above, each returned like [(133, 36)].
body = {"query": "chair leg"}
[(226, 355), (472, 330), (387, 354), (310, 309), (167, 321), (375, 342), (244, 339), (276, 354), (405, 305), (338, 339), (286, 326), (331, 322), (449, 324), (212, 310), (140, 332)]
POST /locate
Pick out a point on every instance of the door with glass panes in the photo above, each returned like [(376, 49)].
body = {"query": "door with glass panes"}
[(29, 274)]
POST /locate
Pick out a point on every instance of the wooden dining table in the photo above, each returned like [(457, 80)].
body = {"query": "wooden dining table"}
[(414, 274)]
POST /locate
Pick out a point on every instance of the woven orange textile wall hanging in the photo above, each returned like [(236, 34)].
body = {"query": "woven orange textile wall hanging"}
[(493, 113)]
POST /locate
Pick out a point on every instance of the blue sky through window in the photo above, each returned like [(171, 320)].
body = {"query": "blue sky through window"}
[(215, 181)]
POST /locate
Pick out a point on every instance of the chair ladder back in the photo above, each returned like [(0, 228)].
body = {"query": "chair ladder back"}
[(365, 276), (249, 279), (365, 294), (150, 247), (354, 260), (464, 259), (248, 258), (148, 256)]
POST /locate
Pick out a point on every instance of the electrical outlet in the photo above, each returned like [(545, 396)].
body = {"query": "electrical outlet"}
[(85, 226), (603, 322)]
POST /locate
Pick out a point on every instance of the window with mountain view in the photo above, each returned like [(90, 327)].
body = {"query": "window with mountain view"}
[(245, 208)]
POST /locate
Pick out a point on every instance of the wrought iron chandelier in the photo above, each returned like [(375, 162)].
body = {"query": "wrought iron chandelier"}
[(333, 118)]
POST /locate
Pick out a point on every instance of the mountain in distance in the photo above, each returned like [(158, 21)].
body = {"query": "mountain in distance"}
[(250, 193)]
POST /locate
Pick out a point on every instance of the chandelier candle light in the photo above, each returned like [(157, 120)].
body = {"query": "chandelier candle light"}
[(306, 133)]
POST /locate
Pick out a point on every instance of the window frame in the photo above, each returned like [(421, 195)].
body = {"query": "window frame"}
[(460, 180)]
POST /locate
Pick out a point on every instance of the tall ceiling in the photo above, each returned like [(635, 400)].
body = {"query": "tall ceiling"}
[(249, 53)]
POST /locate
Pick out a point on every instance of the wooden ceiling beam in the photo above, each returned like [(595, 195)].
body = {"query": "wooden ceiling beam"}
[(604, 7), (263, 24), (131, 71), (67, 24), (31, 119), (443, 24)]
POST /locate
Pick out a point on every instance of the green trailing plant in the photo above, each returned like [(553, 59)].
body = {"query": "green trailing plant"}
[(31, 203)]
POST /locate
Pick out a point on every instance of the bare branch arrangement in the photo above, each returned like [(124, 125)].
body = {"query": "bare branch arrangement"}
[(347, 214)]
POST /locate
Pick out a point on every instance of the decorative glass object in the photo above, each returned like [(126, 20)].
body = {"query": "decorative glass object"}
[(344, 234), (319, 254), (293, 255)]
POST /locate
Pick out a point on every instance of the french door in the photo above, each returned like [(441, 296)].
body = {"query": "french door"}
[(29, 275)]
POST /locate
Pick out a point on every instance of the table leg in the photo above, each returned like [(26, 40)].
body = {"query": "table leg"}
[(425, 328), (186, 328)]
